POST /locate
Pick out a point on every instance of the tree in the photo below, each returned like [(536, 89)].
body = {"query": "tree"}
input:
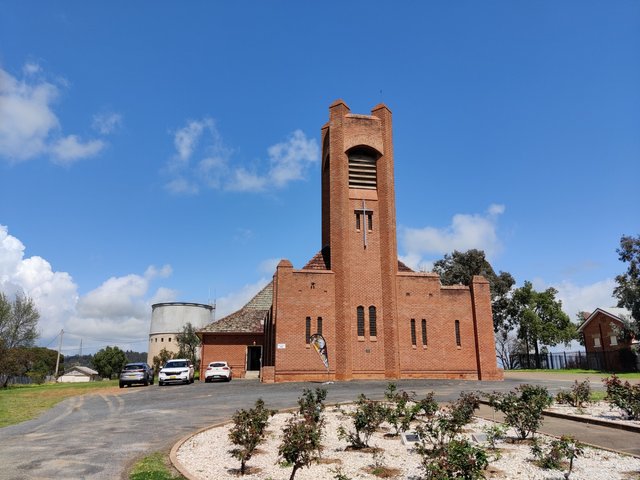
[(159, 360), (33, 362), (109, 361), (188, 343), (18, 321), (248, 431), (539, 319), (628, 289), (460, 267)]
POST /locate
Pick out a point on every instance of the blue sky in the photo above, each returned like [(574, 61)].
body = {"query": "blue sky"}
[(161, 151)]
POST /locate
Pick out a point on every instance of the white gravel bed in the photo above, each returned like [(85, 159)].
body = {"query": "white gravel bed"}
[(206, 456), (597, 410)]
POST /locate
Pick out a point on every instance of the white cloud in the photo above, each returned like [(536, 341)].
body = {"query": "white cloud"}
[(28, 125), (116, 312), (200, 141), (182, 186), (268, 266), (291, 159), (581, 298), (187, 138), (71, 149), (466, 231), (236, 300), (106, 123), (245, 181)]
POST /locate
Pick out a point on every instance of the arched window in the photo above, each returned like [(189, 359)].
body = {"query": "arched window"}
[(362, 170), (360, 317), (307, 330), (319, 330), (458, 333), (372, 321), (413, 332)]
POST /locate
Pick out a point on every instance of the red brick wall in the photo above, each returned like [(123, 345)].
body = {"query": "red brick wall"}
[(602, 323), (231, 348)]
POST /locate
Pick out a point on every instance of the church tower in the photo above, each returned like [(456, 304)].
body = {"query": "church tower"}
[(359, 238)]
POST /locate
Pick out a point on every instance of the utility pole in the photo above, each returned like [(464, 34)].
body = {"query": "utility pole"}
[(59, 348)]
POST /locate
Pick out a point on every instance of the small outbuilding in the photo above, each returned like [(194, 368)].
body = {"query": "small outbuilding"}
[(79, 374)]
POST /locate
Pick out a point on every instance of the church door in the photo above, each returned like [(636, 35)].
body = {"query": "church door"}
[(254, 357)]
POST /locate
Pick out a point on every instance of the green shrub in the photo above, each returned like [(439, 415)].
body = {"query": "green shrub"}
[(458, 459), (428, 406), (495, 432), (400, 408), (367, 417), (556, 453), (522, 407), (312, 404), (248, 432), (624, 396), (301, 442), (579, 395)]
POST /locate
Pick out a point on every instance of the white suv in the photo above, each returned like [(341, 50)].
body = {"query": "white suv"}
[(177, 370), (218, 370)]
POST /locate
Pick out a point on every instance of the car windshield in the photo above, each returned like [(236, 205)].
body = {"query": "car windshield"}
[(136, 366), (218, 364), (175, 364)]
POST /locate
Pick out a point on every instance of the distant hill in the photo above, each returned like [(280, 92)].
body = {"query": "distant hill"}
[(85, 360)]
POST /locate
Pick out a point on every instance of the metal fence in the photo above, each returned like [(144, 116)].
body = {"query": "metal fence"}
[(616, 361)]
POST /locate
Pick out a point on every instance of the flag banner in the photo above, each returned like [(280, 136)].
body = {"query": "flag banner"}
[(320, 345)]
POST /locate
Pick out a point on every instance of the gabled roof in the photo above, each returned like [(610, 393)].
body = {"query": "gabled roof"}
[(612, 312), (322, 261), (84, 370), (249, 319)]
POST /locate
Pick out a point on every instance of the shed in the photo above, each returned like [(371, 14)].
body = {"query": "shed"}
[(79, 374)]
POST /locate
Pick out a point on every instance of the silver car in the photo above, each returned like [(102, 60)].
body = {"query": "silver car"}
[(178, 370), (133, 373)]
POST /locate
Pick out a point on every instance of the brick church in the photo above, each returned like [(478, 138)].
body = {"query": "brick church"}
[(380, 319)]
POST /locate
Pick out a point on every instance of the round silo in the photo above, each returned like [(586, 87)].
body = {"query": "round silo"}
[(168, 319)]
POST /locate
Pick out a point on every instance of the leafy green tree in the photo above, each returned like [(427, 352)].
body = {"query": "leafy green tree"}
[(628, 289), (301, 442), (188, 343), (159, 360), (539, 319), (109, 361), (33, 362), (18, 321), (460, 267)]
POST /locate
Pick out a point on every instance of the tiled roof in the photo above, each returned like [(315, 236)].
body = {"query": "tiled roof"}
[(249, 319), (403, 268), (320, 261)]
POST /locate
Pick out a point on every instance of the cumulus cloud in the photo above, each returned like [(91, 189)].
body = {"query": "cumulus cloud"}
[(71, 148), (106, 123), (582, 298), (28, 125), (116, 312), (202, 159), (236, 300), (465, 232)]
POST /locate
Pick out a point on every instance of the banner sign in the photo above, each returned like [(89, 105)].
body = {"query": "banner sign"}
[(320, 345)]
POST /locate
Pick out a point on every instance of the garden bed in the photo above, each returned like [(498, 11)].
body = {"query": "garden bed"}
[(205, 456)]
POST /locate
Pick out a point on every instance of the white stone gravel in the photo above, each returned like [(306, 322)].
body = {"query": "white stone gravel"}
[(598, 410), (206, 456)]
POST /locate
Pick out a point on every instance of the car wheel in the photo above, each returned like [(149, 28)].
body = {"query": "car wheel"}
[(121, 385), (160, 383), (228, 379), (146, 382), (152, 379)]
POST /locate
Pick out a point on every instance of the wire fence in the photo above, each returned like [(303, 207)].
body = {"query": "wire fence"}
[(623, 360)]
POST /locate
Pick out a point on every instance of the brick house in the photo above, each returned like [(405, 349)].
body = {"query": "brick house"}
[(380, 319)]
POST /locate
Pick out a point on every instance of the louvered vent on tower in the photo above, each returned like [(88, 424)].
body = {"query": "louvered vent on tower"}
[(362, 171)]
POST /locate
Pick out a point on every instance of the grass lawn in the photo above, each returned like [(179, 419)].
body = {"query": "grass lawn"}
[(153, 467), (578, 370), (20, 403)]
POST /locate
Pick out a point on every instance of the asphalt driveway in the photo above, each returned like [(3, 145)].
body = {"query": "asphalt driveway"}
[(97, 436)]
